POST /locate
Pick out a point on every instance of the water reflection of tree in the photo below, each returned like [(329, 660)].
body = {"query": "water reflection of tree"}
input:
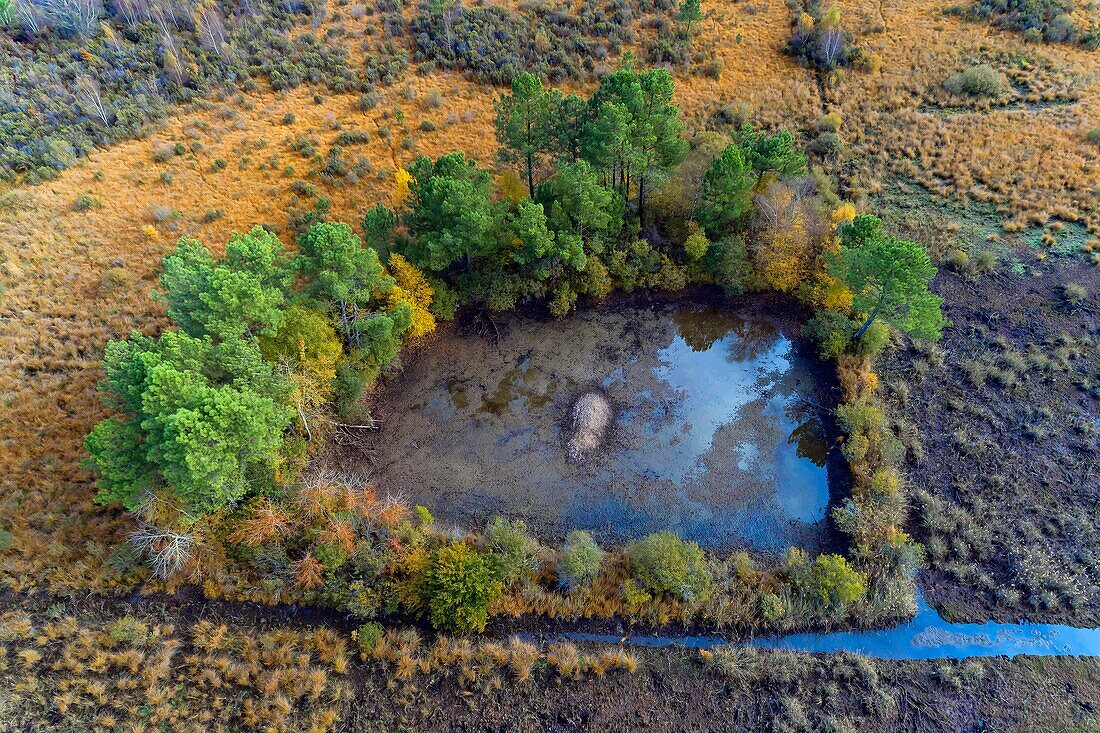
[(809, 436), (754, 340), (701, 327)]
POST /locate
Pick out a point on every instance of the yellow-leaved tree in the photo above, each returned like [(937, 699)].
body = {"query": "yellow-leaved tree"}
[(782, 248), (412, 289), (827, 291), (306, 349), (401, 180)]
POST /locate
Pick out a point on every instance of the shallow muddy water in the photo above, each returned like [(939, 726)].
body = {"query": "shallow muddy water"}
[(715, 435)]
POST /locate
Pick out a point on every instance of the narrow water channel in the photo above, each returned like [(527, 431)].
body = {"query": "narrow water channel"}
[(927, 636)]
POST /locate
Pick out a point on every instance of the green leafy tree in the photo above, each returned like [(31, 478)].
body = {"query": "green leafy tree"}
[(525, 122), (460, 584), (579, 205), (690, 12), (379, 225), (656, 133), (771, 153), (606, 142), (636, 135), (570, 126), (512, 549), (727, 261), (341, 274), (889, 279), (451, 217), (541, 249), (580, 559), (203, 420), (241, 294), (725, 193), (380, 337), (863, 228)]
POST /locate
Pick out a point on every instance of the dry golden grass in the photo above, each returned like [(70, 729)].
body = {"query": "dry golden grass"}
[(403, 655), (130, 674), (1029, 160), (71, 279)]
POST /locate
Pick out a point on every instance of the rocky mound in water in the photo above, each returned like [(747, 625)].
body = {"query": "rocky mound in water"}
[(589, 423)]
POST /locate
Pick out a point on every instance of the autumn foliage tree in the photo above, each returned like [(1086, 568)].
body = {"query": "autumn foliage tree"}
[(412, 289), (306, 350)]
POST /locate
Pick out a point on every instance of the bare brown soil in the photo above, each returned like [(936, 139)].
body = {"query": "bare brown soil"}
[(676, 693)]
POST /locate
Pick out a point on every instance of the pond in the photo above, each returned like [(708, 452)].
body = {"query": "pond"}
[(715, 433)]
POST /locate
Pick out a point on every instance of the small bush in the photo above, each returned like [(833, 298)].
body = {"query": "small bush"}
[(348, 388), (959, 260), (164, 153), (696, 244), (368, 101), (352, 137), (129, 630), (664, 563), (985, 262), (367, 636), (86, 202), (826, 145), (830, 122), (1093, 135), (1074, 293), (514, 553), (837, 583), (580, 560), (977, 81), (160, 213), (460, 585), (832, 331), (873, 340)]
